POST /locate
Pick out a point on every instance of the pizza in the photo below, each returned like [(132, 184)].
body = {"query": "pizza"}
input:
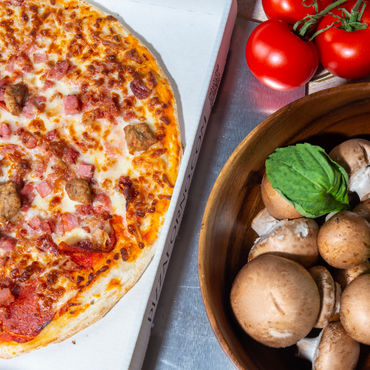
[(89, 154)]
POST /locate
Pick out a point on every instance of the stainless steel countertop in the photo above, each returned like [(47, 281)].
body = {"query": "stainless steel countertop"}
[(181, 336)]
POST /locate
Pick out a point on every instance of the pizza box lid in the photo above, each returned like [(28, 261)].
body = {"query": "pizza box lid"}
[(191, 40)]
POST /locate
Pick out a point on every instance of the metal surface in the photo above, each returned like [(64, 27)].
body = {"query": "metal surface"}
[(182, 337)]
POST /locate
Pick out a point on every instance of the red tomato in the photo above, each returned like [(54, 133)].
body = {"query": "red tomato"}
[(278, 57), (292, 11), (345, 54)]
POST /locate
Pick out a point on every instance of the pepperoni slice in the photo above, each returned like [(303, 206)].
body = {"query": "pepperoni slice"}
[(24, 318)]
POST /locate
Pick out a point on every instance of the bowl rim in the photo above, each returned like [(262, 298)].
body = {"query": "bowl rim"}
[(258, 130)]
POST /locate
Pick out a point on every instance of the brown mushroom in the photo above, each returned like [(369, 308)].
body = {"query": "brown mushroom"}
[(276, 205), (346, 276), (332, 349), (295, 239), (326, 285), (275, 300), (363, 209), (355, 309), (354, 156), (344, 240)]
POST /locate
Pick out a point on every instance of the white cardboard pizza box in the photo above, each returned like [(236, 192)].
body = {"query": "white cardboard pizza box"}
[(191, 39)]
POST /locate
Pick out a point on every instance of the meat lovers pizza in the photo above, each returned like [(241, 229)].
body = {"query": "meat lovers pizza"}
[(89, 154)]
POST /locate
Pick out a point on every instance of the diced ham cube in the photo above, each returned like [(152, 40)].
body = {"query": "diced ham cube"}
[(40, 57), (6, 296), (29, 110), (7, 243), (59, 70), (105, 200), (71, 104), (5, 130), (27, 194), (35, 222), (44, 189), (69, 222), (40, 225), (86, 170)]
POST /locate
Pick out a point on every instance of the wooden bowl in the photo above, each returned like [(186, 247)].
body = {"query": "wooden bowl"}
[(325, 118)]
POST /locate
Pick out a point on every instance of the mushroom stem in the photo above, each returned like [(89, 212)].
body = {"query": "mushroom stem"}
[(264, 223), (332, 349), (307, 347)]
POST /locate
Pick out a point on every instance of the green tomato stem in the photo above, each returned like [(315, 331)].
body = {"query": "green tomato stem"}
[(313, 19)]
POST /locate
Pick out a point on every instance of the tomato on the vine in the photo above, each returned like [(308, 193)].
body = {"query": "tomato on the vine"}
[(278, 57), (292, 11), (345, 54)]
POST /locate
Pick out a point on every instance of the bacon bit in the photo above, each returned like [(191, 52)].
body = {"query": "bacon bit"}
[(59, 70), (5, 130), (71, 104), (70, 155), (69, 222), (48, 84), (7, 243), (4, 81), (152, 81), (51, 135), (40, 58), (139, 89), (44, 188), (6, 297), (166, 180), (46, 244), (165, 120), (127, 188), (124, 254), (86, 170), (29, 141), (134, 55), (27, 194), (84, 210)]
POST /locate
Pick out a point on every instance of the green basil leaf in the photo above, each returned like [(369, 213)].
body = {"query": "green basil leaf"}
[(309, 179)]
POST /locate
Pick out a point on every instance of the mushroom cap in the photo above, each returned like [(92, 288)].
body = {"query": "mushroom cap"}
[(276, 205), (355, 309), (294, 239), (345, 276), (326, 285), (336, 350), (275, 300), (352, 154), (344, 240), (363, 209)]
